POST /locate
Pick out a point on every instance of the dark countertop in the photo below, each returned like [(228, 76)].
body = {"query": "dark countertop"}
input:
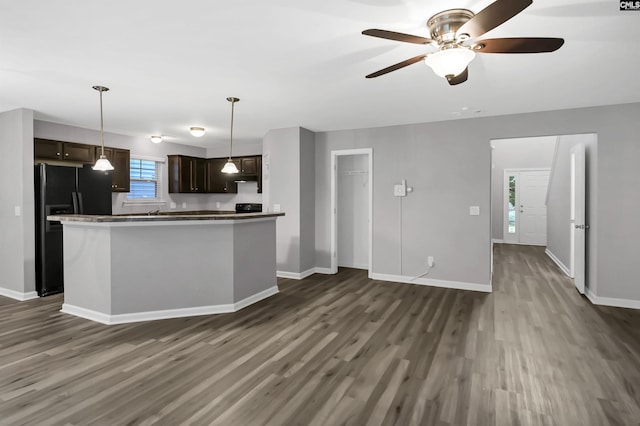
[(164, 216)]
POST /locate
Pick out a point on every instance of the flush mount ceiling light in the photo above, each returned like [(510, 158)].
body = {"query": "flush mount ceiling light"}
[(197, 131), (454, 36), (230, 166), (102, 164), (156, 139)]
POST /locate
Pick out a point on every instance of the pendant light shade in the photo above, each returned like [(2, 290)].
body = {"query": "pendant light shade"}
[(156, 139), (103, 163), (230, 166)]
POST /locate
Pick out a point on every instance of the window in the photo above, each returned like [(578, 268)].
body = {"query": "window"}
[(145, 180)]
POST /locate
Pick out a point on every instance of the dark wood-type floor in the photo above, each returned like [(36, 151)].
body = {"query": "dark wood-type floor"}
[(332, 350)]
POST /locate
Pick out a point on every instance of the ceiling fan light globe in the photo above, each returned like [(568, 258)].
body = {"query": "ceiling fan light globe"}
[(450, 62), (230, 167)]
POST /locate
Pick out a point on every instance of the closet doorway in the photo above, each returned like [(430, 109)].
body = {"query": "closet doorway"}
[(352, 209)]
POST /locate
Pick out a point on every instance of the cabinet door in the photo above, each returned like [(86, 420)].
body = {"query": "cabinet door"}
[(121, 177), (185, 167), (47, 149), (78, 152), (217, 182), (248, 165), (198, 172), (259, 172)]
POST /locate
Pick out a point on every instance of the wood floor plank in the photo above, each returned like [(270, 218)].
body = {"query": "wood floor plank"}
[(337, 350)]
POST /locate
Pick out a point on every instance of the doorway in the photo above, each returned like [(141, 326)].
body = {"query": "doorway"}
[(351, 209)]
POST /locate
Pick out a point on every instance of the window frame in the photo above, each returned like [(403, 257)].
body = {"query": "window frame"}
[(160, 162)]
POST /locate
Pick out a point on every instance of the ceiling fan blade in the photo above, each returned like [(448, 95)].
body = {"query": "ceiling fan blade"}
[(460, 78), (491, 16), (397, 66), (392, 35), (518, 45)]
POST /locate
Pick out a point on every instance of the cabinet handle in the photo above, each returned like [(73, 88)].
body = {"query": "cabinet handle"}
[(116, 185), (58, 154), (66, 154)]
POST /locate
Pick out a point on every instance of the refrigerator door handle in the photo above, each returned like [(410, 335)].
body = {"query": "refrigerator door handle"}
[(78, 207)]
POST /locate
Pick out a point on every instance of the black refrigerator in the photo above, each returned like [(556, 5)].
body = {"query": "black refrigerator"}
[(63, 190)]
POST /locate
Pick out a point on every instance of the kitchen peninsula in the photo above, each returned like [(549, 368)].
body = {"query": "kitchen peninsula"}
[(121, 269)]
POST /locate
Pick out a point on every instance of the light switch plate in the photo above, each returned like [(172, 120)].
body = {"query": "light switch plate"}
[(474, 210), (16, 210), (276, 207), (173, 205)]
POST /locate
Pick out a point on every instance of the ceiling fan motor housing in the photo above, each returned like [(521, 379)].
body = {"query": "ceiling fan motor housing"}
[(444, 25)]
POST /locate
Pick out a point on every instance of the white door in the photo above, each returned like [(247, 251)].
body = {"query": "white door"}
[(533, 209), (525, 210), (577, 223)]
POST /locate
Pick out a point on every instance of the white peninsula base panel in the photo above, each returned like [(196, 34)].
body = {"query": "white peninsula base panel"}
[(120, 272)]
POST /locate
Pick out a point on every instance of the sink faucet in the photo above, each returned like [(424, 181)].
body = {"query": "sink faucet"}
[(153, 212)]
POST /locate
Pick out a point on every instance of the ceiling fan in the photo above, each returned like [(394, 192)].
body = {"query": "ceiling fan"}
[(455, 34)]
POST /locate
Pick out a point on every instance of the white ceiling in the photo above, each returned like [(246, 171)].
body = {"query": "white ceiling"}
[(172, 64)]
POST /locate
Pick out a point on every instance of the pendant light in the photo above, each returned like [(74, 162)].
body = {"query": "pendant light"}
[(102, 164), (230, 166)]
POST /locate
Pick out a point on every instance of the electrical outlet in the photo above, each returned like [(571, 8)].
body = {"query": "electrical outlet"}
[(430, 261), (217, 204)]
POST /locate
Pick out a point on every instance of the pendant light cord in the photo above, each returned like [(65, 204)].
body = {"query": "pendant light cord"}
[(101, 126), (233, 103)]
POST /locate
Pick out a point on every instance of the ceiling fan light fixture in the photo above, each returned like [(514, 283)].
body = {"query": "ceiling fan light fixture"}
[(450, 62), (197, 131)]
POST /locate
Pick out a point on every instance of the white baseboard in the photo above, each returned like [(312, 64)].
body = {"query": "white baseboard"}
[(302, 275), (557, 261), (18, 295), (355, 266), (255, 298), (167, 313), (486, 288), (610, 301)]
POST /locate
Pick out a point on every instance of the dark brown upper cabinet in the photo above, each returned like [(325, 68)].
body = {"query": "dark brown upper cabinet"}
[(248, 165), (47, 149), (218, 182), (186, 174), (120, 160)]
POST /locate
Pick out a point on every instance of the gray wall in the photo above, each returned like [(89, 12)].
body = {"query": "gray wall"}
[(281, 185), (521, 153), (448, 163), (17, 248), (141, 146), (559, 202), (289, 180), (307, 200), (449, 170)]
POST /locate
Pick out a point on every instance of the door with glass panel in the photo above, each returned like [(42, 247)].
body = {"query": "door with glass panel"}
[(525, 210)]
